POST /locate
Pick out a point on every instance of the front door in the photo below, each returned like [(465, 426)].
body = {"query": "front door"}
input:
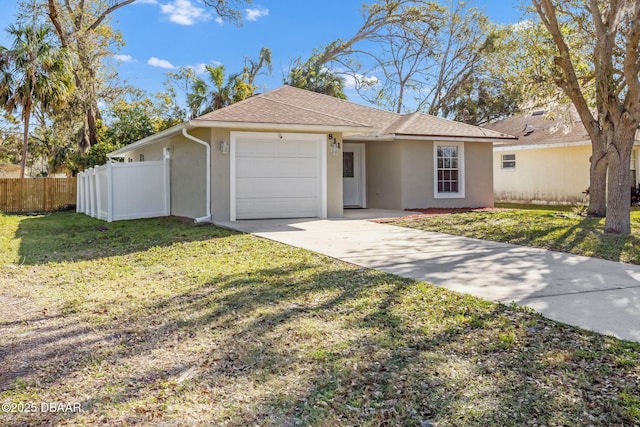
[(353, 176)]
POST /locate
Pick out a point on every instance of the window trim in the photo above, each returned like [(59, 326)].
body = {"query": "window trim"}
[(461, 168), (502, 166)]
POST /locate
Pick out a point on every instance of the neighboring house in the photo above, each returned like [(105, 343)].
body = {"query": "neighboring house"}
[(549, 164), (295, 153)]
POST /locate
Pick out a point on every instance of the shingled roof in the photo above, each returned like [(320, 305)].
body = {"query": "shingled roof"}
[(560, 126), (540, 128), (415, 124), (288, 108), (292, 106)]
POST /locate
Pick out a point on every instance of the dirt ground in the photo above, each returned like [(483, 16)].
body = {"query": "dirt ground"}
[(434, 211)]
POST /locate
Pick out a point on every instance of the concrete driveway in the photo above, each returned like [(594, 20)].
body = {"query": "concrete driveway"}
[(602, 296)]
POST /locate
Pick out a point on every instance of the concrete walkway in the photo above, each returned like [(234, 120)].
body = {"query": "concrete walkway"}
[(602, 296)]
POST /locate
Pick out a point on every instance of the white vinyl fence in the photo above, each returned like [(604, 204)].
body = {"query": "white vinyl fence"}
[(117, 191)]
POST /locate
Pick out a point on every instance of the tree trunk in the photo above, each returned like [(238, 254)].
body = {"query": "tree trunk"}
[(618, 219), (88, 133), (598, 180), (25, 142), (93, 115)]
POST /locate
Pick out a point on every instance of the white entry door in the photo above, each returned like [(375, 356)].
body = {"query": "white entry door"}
[(353, 176)]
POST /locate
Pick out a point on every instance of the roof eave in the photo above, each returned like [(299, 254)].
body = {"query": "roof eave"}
[(518, 147), (282, 127), (277, 126), (411, 137)]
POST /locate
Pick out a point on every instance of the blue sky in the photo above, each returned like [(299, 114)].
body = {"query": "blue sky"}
[(162, 35)]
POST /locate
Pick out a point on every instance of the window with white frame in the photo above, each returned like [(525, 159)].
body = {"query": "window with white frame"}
[(508, 161), (449, 170)]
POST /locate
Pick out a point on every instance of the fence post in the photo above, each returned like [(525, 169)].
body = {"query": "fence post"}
[(110, 206), (92, 192), (45, 192), (97, 193), (87, 193), (19, 193), (79, 192), (167, 185)]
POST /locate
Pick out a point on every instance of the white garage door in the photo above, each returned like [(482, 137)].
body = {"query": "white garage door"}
[(277, 175)]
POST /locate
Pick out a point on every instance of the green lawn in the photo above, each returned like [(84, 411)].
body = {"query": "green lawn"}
[(156, 321), (556, 228)]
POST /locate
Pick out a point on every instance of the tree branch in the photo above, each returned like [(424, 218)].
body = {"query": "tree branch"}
[(631, 65), (55, 20), (570, 83), (106, 13)]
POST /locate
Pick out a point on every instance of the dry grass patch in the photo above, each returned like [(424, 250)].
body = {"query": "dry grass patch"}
[(157, 321)]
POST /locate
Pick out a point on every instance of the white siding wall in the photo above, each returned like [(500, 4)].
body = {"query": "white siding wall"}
[(550, 175)]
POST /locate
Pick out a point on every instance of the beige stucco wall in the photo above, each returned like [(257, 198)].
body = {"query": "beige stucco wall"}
[(554, 175), (220, 167), (334, 180), (418, 176), (400, 175), (383, 166), (479, 174), (220, 170), (188, 176), (151, 153)]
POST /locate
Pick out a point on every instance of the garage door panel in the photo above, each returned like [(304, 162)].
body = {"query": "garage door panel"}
[(277, 178), (264, 167), (276, 208), (276, 149), (276, 187)]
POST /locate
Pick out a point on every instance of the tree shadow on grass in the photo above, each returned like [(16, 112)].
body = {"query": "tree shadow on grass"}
[(583, 236), (71, 237), (587, 237), (306, 344)]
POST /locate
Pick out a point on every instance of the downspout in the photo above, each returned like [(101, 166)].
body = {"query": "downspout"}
[(208, 148)]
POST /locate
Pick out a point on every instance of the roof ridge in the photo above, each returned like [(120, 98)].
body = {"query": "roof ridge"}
[(484, 131), (346, 101), (410, 118), (314, 111), (236, 104)]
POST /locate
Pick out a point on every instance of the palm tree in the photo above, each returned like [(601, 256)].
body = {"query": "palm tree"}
[(317, 78), (34, 72), (203, 99)]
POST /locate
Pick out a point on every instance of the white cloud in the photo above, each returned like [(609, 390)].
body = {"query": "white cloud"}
[(183, 12), (123, 58), (524, 25), (160, 63), (200, 68), (219, 21), (254, 14), (353, 81)]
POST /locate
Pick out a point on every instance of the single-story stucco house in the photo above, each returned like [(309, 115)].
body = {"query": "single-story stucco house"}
[(549, 163), (294, 153)]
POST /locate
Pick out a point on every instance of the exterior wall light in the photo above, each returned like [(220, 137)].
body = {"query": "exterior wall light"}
[(335, 145), (224, 147)]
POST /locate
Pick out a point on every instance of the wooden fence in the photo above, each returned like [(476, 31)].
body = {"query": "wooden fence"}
[(36, 194)]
